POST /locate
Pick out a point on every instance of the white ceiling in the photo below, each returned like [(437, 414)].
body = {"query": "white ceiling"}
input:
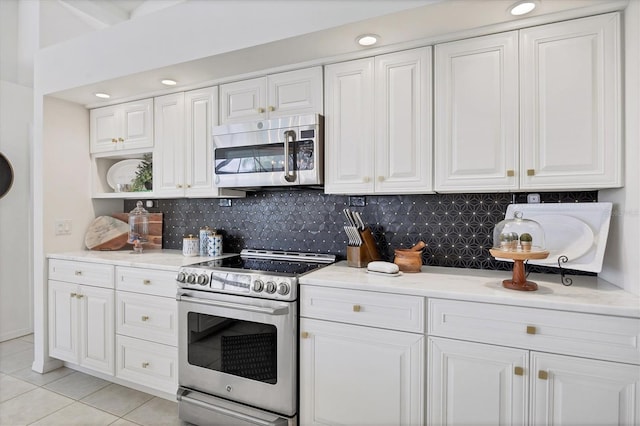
[(433, 22)]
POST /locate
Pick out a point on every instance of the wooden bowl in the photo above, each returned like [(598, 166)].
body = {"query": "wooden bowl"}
[(408, 260)]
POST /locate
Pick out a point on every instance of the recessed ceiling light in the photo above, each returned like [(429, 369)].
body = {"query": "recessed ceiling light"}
[(102, 95), (522, 7), (168, 82), (367, 39)]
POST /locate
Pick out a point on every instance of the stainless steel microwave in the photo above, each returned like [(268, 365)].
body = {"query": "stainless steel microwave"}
[(285, 151)]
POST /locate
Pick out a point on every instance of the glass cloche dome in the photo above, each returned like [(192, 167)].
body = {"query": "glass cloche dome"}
[(518, 235)]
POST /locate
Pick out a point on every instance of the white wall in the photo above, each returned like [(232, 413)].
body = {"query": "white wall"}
[(622, 259), (16, 299)]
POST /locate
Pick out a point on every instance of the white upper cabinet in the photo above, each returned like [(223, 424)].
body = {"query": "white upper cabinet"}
[(349, 156), (276, 95), (403, 122), (168, 156), (476, 114), (378, 124), (563, 78), (570, 114), (182, 157), (122, 127)]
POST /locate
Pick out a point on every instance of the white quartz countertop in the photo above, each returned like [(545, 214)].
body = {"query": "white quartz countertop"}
[(586, 294), (169, 260)]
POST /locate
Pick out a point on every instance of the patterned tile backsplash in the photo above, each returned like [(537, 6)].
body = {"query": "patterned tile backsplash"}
[(457, 228)]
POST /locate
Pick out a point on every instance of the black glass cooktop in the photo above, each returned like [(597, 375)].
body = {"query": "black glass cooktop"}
[(260, 265)]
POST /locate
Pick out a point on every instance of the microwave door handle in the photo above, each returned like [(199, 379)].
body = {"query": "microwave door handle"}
[(283, 310), (289, 175)]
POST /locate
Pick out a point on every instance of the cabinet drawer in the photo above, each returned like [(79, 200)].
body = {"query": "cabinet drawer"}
[(147, 317), (392, 311), (147, 363), (95, 274), (147, 281), (572, 333)]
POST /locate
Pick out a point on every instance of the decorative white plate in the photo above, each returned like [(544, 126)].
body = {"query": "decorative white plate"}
[(123, 172), (576, 230), (565, 236)]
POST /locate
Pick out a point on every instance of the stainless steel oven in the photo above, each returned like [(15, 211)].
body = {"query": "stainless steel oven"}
[(238, 344)]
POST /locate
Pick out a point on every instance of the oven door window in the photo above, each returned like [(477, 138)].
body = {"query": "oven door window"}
[(264, 158), (241, 348)]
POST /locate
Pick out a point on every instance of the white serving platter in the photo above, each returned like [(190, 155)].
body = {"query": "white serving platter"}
[(123, 172), (578, 231)]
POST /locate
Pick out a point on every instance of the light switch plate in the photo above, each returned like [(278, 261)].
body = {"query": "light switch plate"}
[(533, 198)]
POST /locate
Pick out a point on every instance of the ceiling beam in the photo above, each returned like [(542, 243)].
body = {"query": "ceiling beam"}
[(98, 14)]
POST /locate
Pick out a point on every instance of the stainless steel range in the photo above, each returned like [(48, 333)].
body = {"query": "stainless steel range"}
[(238, 344)]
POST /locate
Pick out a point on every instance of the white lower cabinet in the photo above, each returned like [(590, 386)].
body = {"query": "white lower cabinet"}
[(472, 383), (485, 366), (147, 327), (358, 374), (81, 319)]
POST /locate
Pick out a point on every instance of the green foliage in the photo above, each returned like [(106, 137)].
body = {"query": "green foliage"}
[(144, 175)]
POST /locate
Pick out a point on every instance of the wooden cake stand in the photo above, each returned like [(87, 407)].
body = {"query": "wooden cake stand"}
[(518, 281)]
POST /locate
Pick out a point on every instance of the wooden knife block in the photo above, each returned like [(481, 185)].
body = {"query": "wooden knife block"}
[(360, 256)]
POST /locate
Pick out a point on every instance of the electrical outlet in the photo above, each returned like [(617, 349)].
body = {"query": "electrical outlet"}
[(357, 201), (224, 202), (62, 227), (533, 198)]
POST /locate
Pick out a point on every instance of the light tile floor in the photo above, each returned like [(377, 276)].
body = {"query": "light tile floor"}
[(67, 397)]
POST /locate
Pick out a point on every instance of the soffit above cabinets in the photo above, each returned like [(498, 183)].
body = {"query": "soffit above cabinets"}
[(431, 22)]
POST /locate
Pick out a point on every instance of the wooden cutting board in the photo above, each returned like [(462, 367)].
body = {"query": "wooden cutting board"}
[(155, 230), (106, 233)]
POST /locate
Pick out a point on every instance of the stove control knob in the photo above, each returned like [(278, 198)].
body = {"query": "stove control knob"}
[(182, 277), (283, 289), (270, 287), (191, 278), (203, 279), (258, 286)]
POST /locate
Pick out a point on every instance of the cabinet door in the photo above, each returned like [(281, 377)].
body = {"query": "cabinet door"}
[(570, 106), (137, 124), (104, 126), (476, 114), (63, 324), (97, 328), (576, 391), (349, 118), (168, 155), (121, 127), (403, 122), (473, 383), (243, 101), (360, 375), (201, 113), (295, 92)]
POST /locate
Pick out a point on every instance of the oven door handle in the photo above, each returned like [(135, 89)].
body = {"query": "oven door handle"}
[(281, 310)]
